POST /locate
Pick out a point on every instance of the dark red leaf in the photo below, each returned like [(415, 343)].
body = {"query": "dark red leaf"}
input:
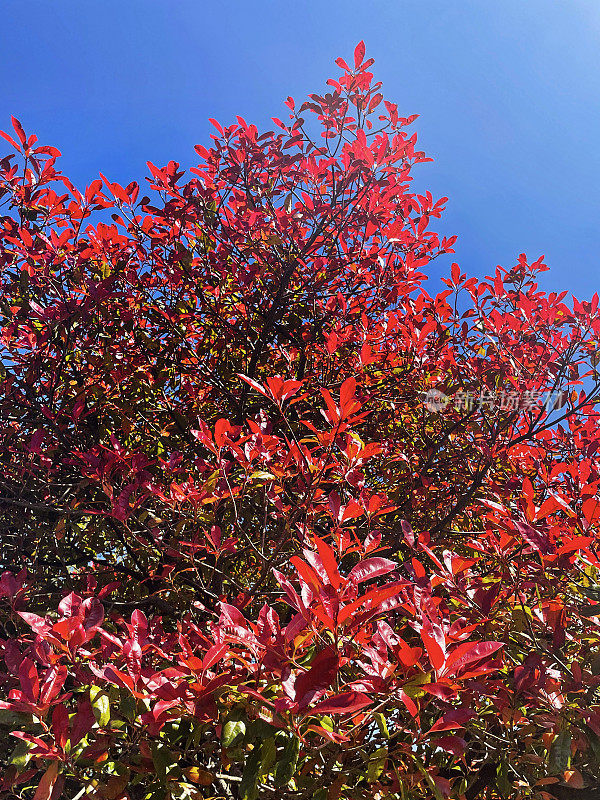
[(345, 703)]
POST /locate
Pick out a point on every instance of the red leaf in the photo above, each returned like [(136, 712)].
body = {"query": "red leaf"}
[(408, 702), (352, 511), (408, 533), (591, 510), (60, 725), (233, 624), (329, 562), (116, 676), (19, 130), (332, 414), (53, 683), (374, 597), (444, 724), (92, 611), (70, 629), (467, 653), (49, 151), (434, 651), (321, 675), (255, 385), (371, 568), (538, 539), (139, 626), (69, 605), (359, 54), (30, 682), (222, 429), (46, 785), (213, 654), (83, 722), (452, 744), (36, 623), (345, 703), (133, 657), (10, 140), (347, 392), (306, 573)]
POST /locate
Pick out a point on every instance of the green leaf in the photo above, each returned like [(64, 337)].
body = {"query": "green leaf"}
[(197, 733), (249, 784), (593, 592), (100, 706), (261, 475), (20, 755), (430, 782), (14, 720), (156, 794), (504, 785), (268, 755), (382, 725), (259, 729), (594, 741), (128, 707), (376, 764), (589, 610), (560, 752), (327, 723), (413, 688), (286, 765), (234, 731), (162, 759)]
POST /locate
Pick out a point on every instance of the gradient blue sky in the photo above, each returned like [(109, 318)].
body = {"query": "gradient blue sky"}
[(508, 93)]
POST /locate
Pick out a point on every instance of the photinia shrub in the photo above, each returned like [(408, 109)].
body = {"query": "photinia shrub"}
[(276, 522)]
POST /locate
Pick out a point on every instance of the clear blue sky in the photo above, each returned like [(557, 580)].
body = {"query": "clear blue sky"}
[(508, 92)]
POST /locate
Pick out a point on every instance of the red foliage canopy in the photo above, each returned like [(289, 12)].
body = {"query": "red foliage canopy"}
[(251, 560)]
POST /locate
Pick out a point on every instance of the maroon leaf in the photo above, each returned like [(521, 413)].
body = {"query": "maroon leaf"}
[(29, 678), (345, 703), (46, 785), (92, 611), (321, 675), (70, 605), (83, 722), (538, 539), (60, 725)]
